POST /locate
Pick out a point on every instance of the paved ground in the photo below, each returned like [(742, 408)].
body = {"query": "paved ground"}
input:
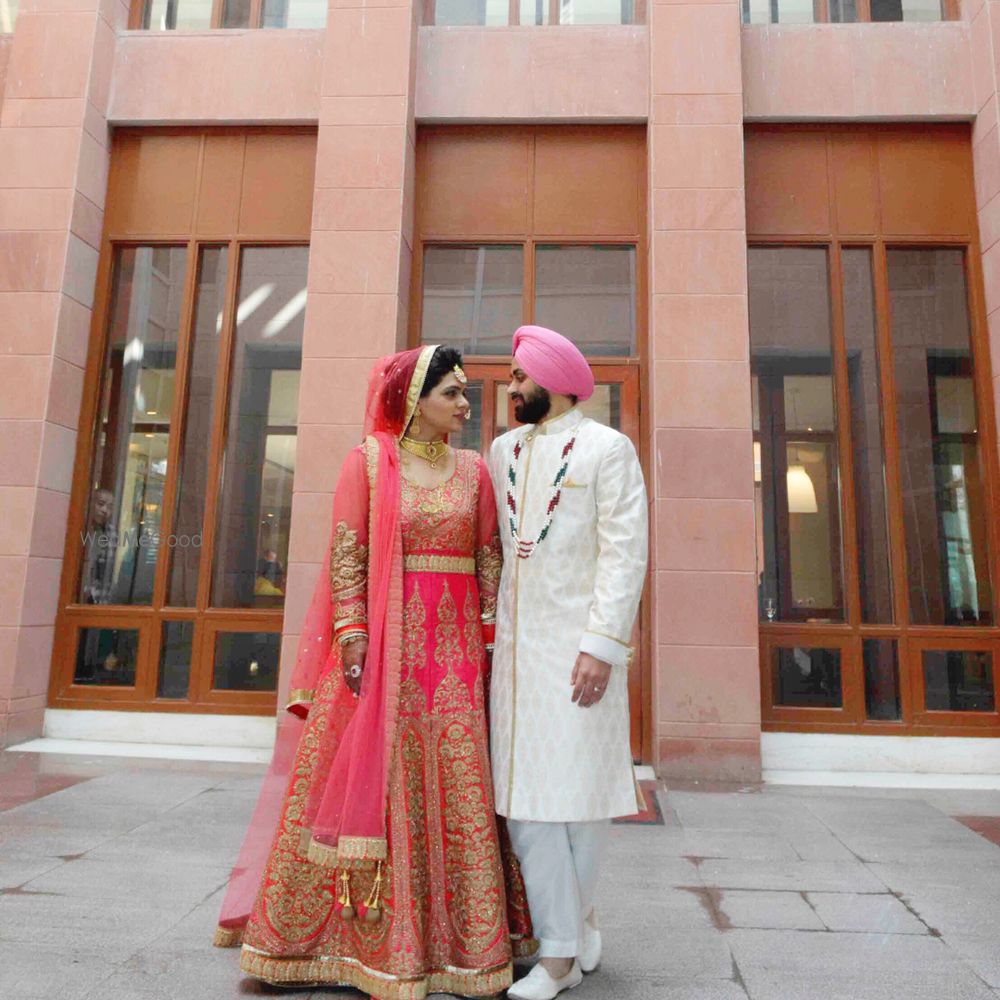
[(111, 874)]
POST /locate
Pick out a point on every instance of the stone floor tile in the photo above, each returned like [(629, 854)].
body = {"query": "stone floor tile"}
[(32, 970), (882, 914), (120, 879), (807, 876), (770, 910), (981, 951), (17, 871), (796, 952), (111, 932), (847, 984)]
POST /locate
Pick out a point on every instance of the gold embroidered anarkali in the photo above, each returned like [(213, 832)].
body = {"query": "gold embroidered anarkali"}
[(451, 901)]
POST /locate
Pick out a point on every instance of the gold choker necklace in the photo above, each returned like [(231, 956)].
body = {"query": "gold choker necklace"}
[(430, 451)]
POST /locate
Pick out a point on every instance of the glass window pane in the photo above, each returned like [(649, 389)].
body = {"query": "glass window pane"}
[(596, 12), (236, 13), (534, 11), (246, 661), (605, 406), (503, 418), (906, 10), (121, 536), (875, 575), (251, 546), (881, 679), (8, 16), (473, 297), (106, 656), (187, 15), (185, 538), (471, 435), (177, 641), (806, 677), (944, 509), (294, 14), (756, 11), (843, 11), (795, 432), (483, 12), (587, 293), (958, 680)]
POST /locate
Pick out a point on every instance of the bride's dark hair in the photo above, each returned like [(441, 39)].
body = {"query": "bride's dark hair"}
[(443, 361)]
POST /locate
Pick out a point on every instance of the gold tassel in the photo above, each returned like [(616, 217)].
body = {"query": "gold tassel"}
[(373, 905), (346, 908)]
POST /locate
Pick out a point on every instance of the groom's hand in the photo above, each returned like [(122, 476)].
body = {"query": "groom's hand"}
[(590, 678)]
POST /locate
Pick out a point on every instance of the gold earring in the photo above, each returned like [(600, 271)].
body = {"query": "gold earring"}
[(468, 414), (414, 425)]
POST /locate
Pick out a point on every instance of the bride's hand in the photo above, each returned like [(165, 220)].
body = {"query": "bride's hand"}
[(353, 666)]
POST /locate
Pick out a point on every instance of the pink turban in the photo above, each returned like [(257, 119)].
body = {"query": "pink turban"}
[(553, 361)]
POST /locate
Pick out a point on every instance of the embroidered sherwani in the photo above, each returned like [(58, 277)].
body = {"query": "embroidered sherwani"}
[(444, 922), (552, 760)]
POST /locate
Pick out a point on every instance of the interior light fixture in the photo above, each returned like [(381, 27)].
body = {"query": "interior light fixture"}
[(801, 492)]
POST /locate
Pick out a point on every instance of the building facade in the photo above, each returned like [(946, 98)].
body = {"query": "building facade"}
[(772, 227)]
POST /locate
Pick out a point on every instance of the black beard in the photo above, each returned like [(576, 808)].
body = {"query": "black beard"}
[(531, 411)]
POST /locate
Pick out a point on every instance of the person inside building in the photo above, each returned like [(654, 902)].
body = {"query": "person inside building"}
[(573, 518), (387, 871)]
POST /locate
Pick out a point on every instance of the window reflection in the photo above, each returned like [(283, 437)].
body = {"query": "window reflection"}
[(254, 515), (839, 11), (183, 15), (807, 677), (472, 297), (882, 695), (944, 509), (8, 16), (795, 436), (867, 451), (246, 661), (958, 680), (200, 15), (106, 656), (121, 538), (906, 10), (186, 534), (588, 293), (471, 12)]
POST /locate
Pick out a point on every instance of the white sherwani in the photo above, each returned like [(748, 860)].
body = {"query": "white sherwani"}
[(552, 760)]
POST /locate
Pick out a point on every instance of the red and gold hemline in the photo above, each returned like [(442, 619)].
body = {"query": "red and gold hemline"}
[(227, 937), (346, 972)]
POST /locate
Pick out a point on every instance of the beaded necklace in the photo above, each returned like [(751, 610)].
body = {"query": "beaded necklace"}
[(526, 547)]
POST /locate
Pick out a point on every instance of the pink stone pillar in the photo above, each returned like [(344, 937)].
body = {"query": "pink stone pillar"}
[(985, 30), (706, 680), (359, 262), (53, 181)]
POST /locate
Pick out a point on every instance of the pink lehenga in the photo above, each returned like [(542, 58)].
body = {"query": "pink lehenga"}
[(388, 870)]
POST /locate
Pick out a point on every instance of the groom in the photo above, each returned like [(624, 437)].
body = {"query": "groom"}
[(573, 521)]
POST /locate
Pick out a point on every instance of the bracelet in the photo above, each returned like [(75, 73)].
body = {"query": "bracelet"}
[(353, 637)]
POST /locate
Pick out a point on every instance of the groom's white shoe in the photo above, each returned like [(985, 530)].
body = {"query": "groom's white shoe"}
[(539, 985), (590, 948)]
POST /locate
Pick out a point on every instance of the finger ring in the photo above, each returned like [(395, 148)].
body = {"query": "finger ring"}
[(355, 670), (596, 689)]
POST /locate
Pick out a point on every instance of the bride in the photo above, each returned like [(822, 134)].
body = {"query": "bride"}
[(374, 859)]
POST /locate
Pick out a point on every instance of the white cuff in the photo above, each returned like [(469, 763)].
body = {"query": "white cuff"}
[(605, 648)]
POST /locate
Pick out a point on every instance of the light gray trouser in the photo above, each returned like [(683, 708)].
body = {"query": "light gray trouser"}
[(560, 863)]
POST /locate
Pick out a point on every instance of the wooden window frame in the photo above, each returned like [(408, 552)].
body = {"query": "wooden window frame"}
[(137, 14), (950, 11), (514, 15), (634, 370), (915, 720), (73, 615)]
